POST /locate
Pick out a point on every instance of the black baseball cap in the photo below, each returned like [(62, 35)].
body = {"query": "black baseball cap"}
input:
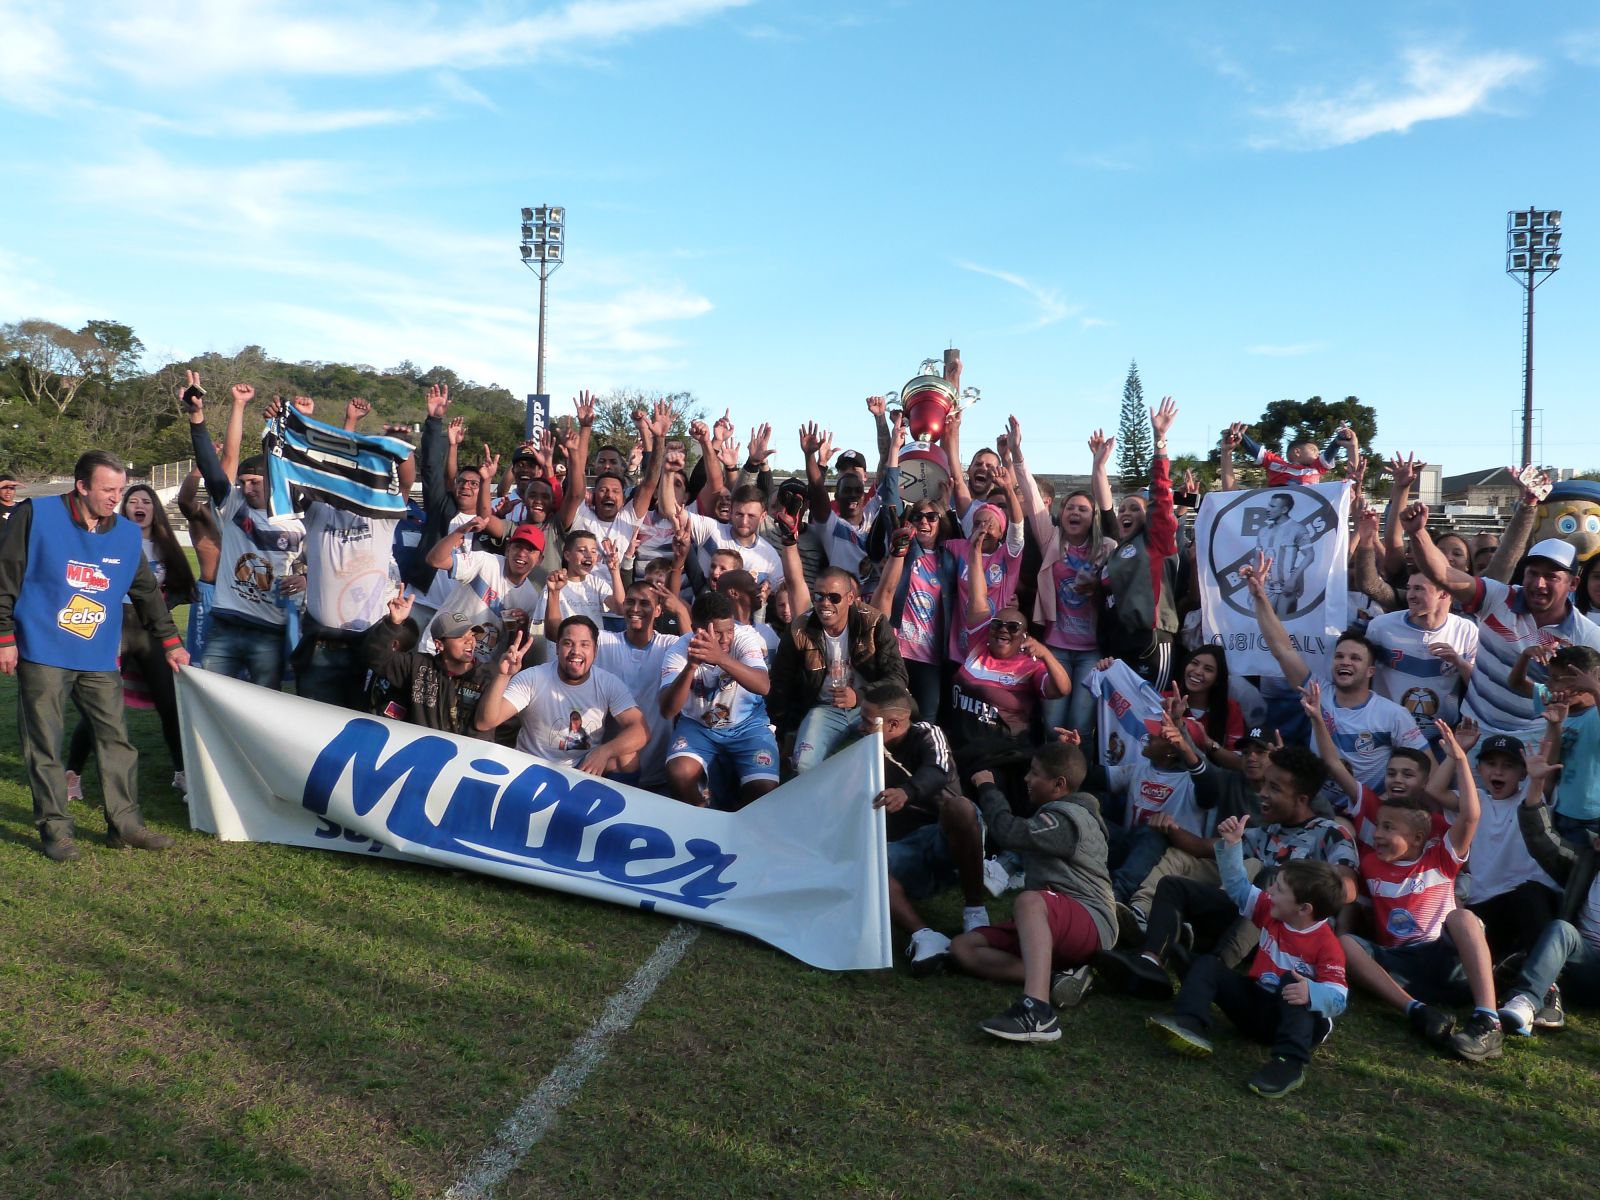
[(851, 458), (1260, 734), (1502, 743)]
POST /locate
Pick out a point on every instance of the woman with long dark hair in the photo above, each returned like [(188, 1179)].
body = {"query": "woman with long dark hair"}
[(1215, 720), (147, 680)]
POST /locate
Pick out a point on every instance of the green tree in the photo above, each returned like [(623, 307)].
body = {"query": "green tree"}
[(1315, 419), (1134, 444)]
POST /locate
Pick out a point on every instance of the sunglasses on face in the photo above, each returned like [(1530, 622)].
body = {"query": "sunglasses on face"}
[(1012, 627), (830, 597), (924, 518)]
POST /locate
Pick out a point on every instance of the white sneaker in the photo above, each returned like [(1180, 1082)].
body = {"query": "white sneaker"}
[(974, 917), (74, 786), (1015, 883), (927, 951), (1517, 1016), (994, 876), (180, 782)]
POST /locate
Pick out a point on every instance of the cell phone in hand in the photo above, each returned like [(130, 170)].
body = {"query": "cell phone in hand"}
[(192, 395)]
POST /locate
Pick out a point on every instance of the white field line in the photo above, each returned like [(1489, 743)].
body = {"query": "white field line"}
[(539, 1109)]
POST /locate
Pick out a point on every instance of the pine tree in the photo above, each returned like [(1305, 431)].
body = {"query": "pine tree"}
[(1134, 445)]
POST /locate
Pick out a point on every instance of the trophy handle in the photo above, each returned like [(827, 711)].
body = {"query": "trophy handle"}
[(930, 366), (969, 397)]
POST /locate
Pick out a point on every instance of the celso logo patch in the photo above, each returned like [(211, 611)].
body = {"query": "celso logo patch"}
[(82, 617), (86, 577)]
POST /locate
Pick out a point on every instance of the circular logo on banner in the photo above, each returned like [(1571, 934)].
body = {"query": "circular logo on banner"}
[(1291, 525)]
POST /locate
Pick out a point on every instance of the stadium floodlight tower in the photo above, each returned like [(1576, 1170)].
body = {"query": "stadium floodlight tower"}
[(1533, 254), (544, 236)]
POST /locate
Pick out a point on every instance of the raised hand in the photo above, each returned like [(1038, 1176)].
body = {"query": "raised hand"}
[(1414, 519), (810, 439), (728, 452), (1255, 574), (517, 647), (1539, 771), (1232, 829), (306, 405), (1447, 740), (1014, 438), (356, 408), (400, 607), (1162, 416), (1311, 700), (1467, 733), (191, 396), (608, 551), (877, 405), (1234, 434), (722, 429), (1101, 446), (1071, 736), (491, 465), (700, 432), (569, 440), (555, 581), (584, 405), (1404, 470), (456, 432), (636, 458), (825, 449), (661, 418), (438, 400), (760, 444), (900, 543), (243, 393)]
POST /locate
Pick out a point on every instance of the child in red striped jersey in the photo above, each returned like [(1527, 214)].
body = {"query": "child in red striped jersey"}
[(1422, 943), (1296, 984)]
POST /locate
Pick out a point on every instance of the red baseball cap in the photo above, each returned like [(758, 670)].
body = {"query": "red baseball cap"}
[(531, 534)]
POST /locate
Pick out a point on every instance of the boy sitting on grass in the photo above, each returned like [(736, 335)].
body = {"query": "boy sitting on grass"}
[(1421, 940), (1296, 984), (1065, 915)]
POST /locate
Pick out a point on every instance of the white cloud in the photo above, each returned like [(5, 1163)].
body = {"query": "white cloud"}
[(1295, 350), (33, 56), (25, 291), (1583, 48), (1051, 308), (1435, 86)]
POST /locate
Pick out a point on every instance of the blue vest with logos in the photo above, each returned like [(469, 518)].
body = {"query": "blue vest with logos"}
[(69, 611)]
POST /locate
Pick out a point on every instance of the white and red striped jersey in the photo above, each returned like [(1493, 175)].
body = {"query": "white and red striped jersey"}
[(1410, 900), (1313, 953)]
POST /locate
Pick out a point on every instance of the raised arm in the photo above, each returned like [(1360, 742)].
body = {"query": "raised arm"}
[(977, 584), (233, 437), (192, 402), (879, 408), (650, 486), (1364, 568), (1430, 559), (950, 438), (1272, 630), (1404, 472), (493, 711), (1226, 480), (1101, 446), (1514, 542), (1465, 825), (812, 440), (894, 566), (1311, 703)]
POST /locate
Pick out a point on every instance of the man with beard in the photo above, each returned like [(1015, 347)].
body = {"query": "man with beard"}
[(499, 593), (740, 533), (843, 522), (713, 682), (564, 705), (608, 513), (440, 690), (1511, 617), (635, 656)]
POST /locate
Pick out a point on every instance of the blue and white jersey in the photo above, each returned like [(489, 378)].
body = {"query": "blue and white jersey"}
[(1366, 733), (1411, 675), (1505, 629)]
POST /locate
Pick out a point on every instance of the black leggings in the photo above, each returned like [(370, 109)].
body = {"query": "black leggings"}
[(160, 680)]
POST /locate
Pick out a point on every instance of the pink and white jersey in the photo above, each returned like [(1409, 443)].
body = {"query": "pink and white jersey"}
[(996, 695), (921, 617), (1410, 900), (1076, 624), (1313, 953), (1002, 568)]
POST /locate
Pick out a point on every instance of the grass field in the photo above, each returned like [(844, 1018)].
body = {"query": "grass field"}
[(257, 1021)]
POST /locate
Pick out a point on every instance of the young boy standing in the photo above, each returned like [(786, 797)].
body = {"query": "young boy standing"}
[(1420, 937), (1296, 985), (1064, 917)]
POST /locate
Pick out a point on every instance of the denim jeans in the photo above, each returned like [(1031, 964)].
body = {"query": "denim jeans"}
[(927, 689), (822, 731), (334, 671), (1078, 709), (1141, 849), (239, 649), (1561, 953)]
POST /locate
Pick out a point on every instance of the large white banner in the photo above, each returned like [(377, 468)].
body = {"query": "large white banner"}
[(804, 868), (1304, 531)]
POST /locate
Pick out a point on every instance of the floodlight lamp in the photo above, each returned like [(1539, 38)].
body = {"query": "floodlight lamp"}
[(527, 253), (1519, 261), (1553, 238), (527, 214), (1519, 220), (552, 253), (1519, 241), (551, 233), (527, 233), (557, 216), (1552, 261), (1553, 218)]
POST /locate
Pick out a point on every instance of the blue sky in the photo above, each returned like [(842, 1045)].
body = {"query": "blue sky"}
[(784, 206)]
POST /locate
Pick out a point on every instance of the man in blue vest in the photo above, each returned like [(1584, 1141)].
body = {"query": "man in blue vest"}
[(67, 564)]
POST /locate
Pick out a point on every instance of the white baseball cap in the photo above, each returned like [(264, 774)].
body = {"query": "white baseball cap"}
[(1563, 554)]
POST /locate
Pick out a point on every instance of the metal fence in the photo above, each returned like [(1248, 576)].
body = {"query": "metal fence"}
[(169, 475)]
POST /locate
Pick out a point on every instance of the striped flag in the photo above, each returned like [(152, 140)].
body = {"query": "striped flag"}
[(351, 471)]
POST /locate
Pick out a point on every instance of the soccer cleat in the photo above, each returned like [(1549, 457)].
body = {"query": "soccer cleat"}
[(74, 786), (1516, 1017), (1479, 1040), (1277, 1077), (1025, 1021), (1181, 1034), (974, 917), (61, 850), (1434, 1026), (928, 952), (140, 838), (1551, 1015), (1068, 988)]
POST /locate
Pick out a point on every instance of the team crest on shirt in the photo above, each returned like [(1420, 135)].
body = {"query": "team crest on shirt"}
[(86, 577), (82, 617), (1364, 742), (1127, 551), (1401, 923), (763, 759)]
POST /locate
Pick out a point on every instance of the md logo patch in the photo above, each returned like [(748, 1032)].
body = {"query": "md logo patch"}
[(82, 617), (86, 577)]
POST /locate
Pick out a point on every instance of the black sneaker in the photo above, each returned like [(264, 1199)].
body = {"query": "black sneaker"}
[(141, 837), (1068, 988), (1551, 1015), (61, 850), (1131, 972), (1025, 1021), (1434, 1026), (1479, 1040), (1321, 1029), (1183, 1034), (1278, 1077)]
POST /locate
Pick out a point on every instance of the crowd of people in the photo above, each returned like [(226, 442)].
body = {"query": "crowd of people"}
[(1417, 813)]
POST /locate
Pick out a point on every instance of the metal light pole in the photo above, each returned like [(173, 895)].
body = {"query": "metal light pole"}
[(1533, 254), (543, 238)]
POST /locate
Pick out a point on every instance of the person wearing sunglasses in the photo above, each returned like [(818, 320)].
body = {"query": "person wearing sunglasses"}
[(1000, 685), (911, 594), (824, 660)]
